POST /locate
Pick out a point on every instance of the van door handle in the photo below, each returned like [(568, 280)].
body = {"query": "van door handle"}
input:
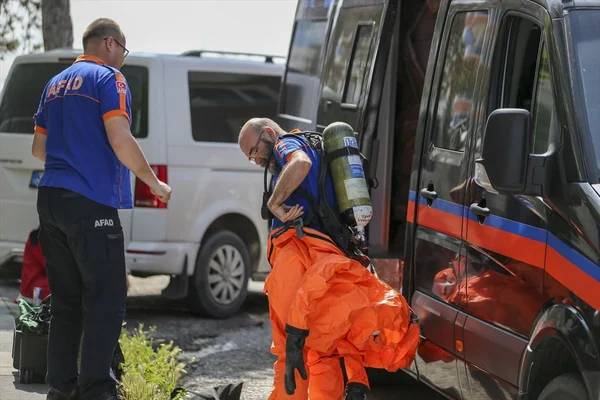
[(430, 195), (481, 212)]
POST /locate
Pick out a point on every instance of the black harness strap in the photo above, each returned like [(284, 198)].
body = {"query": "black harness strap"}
[(321, 213), (343, 152), (265, 213)]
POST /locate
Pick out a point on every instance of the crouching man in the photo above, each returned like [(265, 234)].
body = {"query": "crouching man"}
[(330, 315)]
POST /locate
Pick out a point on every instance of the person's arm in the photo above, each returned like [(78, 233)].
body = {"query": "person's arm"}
[(130, 154), (292, 175), (115, 106), (40, 133), (38, 148)]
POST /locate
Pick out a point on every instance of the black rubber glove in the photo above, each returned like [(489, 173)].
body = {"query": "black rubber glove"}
[(356, 391), (294, 357)]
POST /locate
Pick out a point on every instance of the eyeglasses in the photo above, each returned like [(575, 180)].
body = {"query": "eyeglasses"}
[(125, 51), (254, 149)]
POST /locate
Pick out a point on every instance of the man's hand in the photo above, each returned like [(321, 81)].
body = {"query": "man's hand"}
[(162, 191), (293, 173), (286, 213)]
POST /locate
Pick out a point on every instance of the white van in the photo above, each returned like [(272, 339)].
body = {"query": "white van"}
[(187, 111)]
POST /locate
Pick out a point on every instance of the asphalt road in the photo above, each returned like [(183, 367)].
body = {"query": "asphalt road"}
[(229, 351), (218, 352)]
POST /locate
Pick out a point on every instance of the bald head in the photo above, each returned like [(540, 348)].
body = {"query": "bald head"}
[(99, 29), (104, 38), (257, 137), (253, 128)]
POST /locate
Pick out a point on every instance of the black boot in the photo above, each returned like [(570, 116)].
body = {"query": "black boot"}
[(356, 391)]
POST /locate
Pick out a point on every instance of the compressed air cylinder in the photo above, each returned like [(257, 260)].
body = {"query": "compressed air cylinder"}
[(348, 175)]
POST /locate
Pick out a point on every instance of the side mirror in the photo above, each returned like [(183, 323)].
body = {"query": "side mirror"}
[(505, 155)]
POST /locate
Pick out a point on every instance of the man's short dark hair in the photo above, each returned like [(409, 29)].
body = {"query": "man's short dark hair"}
[(101, 28)]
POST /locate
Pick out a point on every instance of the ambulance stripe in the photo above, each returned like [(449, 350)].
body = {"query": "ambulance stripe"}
[(514, 239), (440, 220), (507, 243), (528, 231)]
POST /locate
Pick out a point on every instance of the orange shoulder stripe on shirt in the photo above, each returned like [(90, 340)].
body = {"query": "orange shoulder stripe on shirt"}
[(289, 156), (87, 57), (122, 103), (40, 129), (114, 113)]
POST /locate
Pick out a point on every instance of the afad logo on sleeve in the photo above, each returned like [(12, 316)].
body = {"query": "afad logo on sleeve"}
[(281, 148), (121, 87)]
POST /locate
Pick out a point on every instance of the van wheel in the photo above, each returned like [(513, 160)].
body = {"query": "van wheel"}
[(220, 282), (564, 387)]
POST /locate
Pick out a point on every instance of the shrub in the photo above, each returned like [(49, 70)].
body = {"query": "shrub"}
[(149, 373)]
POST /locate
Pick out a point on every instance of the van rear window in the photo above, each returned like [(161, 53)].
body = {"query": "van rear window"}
[(22, 95), (26, 83), (221, 103)]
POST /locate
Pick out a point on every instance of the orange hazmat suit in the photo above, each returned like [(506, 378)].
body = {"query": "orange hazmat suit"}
[(352, 317)]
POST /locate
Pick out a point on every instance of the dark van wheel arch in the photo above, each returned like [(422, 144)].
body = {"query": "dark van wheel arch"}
[(219, 285), (564, 387)]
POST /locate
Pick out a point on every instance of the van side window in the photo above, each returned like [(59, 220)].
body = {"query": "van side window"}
[(221, 103), (459, 76), (516, 60), (22, 93), (545, 120), (348, 57), (358, 64), (522, 78), (137, 79)]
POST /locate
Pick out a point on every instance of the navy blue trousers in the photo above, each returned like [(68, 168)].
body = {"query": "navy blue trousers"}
[(83, 244)]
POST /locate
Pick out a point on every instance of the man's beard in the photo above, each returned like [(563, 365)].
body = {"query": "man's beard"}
[(271, 160), (272, 166)]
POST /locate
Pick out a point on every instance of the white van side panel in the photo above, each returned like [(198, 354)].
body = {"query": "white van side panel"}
[(209, 180), (150, 224)]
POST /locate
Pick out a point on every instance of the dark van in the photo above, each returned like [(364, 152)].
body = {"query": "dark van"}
[(481, 119)]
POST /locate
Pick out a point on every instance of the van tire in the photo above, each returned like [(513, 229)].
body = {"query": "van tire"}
[(218, 264), (564, 387)]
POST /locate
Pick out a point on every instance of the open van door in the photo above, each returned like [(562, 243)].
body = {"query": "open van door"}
[(355, 64), (353, 78), (301, 81)]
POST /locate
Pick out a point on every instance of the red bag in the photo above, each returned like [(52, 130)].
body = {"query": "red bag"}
[(33, 273)]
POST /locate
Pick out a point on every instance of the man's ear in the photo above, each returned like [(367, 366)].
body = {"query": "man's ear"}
[(270, 131)]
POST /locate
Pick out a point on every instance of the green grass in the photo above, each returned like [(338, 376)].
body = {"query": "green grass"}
[(149, 372)]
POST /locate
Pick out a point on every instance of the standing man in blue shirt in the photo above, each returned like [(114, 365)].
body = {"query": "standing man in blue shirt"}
[(82, 132)]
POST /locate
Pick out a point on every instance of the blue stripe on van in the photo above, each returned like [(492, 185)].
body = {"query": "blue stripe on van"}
[(530, 232)]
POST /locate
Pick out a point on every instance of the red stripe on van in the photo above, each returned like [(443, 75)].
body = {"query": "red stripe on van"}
[(439, 220), (506, 243), (573, 278)]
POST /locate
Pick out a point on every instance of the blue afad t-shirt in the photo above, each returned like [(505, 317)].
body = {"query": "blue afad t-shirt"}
[(72, 111), (284, 148)]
